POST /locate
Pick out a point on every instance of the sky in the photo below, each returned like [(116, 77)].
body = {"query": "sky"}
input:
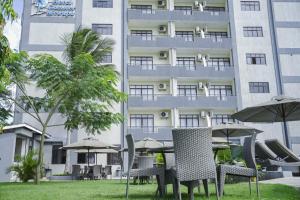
[(13, 30)]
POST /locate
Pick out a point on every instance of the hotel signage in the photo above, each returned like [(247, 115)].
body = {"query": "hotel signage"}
[(56, 8)]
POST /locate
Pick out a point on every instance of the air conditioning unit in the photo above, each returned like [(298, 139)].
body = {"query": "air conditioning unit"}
[(203, 114), (199, 58), (163, 55), (196, 4), (205, 29), (197, 30), (210, 113), (164, 115), (162, 86), (201, 6), (161, 3), (201, 85), (162, 29)]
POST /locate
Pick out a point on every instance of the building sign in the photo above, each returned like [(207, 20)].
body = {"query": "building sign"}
[(56, 8)]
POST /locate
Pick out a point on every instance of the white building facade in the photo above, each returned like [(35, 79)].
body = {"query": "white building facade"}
[(184, 63)]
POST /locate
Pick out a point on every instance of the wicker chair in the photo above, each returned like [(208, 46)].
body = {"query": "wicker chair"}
[(97, 171), (76, 172), (193, 157), (249, 171), (159, 172)]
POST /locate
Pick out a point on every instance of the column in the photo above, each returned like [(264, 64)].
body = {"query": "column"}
[(170, 5), (171, 29), (172, 57), (175, 118), (173, 86)]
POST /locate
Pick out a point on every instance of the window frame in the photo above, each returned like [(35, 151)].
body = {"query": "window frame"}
[(250, 5), (221, 119), (259, 87), (145, 9), (144, 34), (143, 118), (107, 27), (188, 62), (61, 155), (253, 31), (256, 59), (103, 4), (187, 35), (186, 10), (189, 119), (218, 90)]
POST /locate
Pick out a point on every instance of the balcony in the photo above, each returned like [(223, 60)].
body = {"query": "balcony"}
[(167, 42), (177, 15), (169, 101), (157, 133), (199, 71)]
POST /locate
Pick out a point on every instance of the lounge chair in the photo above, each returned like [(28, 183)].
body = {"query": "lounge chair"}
[(264, 155)]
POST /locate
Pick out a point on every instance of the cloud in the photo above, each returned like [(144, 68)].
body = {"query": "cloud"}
[(13, 33)]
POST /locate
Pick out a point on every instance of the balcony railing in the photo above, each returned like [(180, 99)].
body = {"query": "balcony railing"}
[(159, 70), (165, 41), (155, 132), (179, 15)]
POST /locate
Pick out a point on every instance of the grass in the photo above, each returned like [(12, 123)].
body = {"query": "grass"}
[(114, 190)]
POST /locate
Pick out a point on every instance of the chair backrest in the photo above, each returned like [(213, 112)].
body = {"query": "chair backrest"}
[(170, 160), (97, 170), (249, 151), (263, 152), (282, 151), (76, 170), (194, 154), (145, 162), (107, 170), (131, 151)]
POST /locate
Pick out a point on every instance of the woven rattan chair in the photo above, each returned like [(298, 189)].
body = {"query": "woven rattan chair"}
[(249, 171), (159, 172), (194, 157), (97, 171), (76, 172)]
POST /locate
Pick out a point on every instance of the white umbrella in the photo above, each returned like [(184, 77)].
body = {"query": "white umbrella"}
[(147, 143), (278, 109), (233, 130)]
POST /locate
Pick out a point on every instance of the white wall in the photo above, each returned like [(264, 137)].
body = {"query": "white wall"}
[(287, 11), (7, 152), (288, 37), (290, 64)]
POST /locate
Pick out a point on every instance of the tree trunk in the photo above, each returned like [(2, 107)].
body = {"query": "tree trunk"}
[(68, 159), (40, 157)]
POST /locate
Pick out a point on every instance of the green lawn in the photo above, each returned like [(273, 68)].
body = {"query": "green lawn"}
[(108, 190)]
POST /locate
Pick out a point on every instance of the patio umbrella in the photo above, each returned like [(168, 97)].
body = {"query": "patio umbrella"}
[(233, 130), (97, 151), (218, 140), (89, 144), (278, 109), (147, 143)]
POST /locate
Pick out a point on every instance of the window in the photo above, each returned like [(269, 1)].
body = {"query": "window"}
[(186, 10), (256, 58), (145, 91), (189, 120), (187, 35), (218, 62), (250, 5), (18, 148), (221, 119), (259, 87), (58, 155), (220, 90), (187, 90), (113, 159), (107, 58), (214, 9), (252, 31), (146, 9), (102, 3), (216, 35), (145, 61), (144, 34), (188, 62), (82, 158), (144, 121), (103, 29)]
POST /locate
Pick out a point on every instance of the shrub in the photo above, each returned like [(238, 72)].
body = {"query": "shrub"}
[(25, 168)]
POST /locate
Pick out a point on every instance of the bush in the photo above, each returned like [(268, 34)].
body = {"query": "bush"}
[(25, 167)]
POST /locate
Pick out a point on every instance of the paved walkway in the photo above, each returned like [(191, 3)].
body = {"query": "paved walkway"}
[(290, 181)]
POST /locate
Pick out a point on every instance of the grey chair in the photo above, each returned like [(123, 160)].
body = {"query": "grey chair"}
[(159, 172), (264, 156), (97, 171), (249, 171), (76, 172), (107, 171), (194, 158)]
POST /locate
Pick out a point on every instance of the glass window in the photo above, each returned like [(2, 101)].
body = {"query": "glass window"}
[(188, 62), (214, 9), (186, 10), (144, 34), (251, 31), (103, 29), (216, 35), (18, 148), (221, 119), (145, 91), (146, 9), (256, 58), (250, 5), (58, 155), (144, 121), (82, 158), (218, 62), (220, 90), (189, 120), (145, 61), (259, 87), (102, 3), (107, 58), (187, 90), (187, 35)]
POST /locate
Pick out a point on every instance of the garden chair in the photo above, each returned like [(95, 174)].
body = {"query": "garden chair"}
[(76, 172), (193, 158), (97, 171), (249, 171), (159, 172)]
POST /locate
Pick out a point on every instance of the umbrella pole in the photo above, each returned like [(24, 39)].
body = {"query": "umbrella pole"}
[(88, 158), (227, 137), (286, 134)]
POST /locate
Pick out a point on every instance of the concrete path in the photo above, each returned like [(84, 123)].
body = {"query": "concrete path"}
[(290, 181)]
